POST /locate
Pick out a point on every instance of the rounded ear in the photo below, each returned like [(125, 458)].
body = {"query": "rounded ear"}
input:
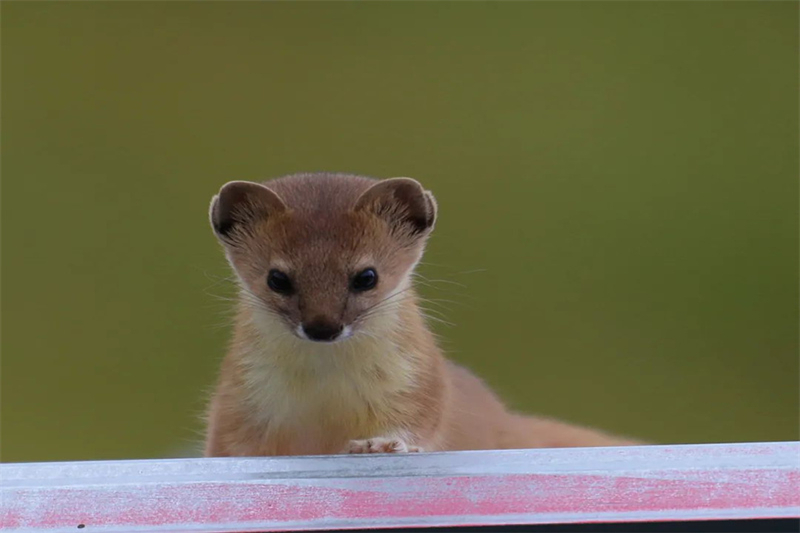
[(240, 203), (402, 202)]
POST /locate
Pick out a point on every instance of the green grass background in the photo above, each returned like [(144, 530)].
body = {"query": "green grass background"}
[(618, 190)]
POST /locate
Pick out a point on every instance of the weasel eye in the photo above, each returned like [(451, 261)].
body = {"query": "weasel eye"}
[(279, 282), (364, 280)]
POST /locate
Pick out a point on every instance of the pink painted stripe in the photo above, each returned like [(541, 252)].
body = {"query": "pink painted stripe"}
[(536, 486)]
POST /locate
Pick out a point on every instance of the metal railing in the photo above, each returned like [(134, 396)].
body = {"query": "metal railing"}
[(712, 482)]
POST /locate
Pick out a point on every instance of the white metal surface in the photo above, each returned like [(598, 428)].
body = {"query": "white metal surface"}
[(628, 484)]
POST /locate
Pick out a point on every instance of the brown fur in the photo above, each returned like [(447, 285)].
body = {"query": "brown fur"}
[(387, 388)]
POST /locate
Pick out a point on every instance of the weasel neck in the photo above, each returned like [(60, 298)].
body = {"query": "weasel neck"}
[(290, 381)]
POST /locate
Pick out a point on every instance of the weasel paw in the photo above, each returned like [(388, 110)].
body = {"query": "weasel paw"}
[(380, 445)]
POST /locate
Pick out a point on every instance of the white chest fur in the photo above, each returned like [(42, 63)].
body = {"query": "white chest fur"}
[(295, 385)]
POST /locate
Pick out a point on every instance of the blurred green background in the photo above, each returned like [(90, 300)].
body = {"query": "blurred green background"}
[(617, 182)]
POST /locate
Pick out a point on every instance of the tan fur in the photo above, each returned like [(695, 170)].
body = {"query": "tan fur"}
[(387, 388)]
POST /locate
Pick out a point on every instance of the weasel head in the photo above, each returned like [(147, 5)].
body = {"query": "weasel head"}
[(324, 257)]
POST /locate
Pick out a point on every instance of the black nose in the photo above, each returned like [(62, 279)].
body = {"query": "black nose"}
[(322, 331)]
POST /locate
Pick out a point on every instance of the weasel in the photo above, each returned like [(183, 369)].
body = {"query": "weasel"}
[(330, 352)]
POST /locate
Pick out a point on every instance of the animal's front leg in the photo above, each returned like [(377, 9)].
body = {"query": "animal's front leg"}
[(380, 445)]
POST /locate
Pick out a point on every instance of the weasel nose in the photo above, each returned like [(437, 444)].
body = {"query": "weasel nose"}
[(320, 330)]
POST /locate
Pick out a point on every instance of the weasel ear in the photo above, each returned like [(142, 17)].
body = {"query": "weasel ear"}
[(242, 202), (401, 202)]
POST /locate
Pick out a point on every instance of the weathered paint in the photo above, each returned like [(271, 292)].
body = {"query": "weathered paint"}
[(710, 482)]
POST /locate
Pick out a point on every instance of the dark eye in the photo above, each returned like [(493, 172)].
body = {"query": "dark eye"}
[(279, 282), (365, 280)]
